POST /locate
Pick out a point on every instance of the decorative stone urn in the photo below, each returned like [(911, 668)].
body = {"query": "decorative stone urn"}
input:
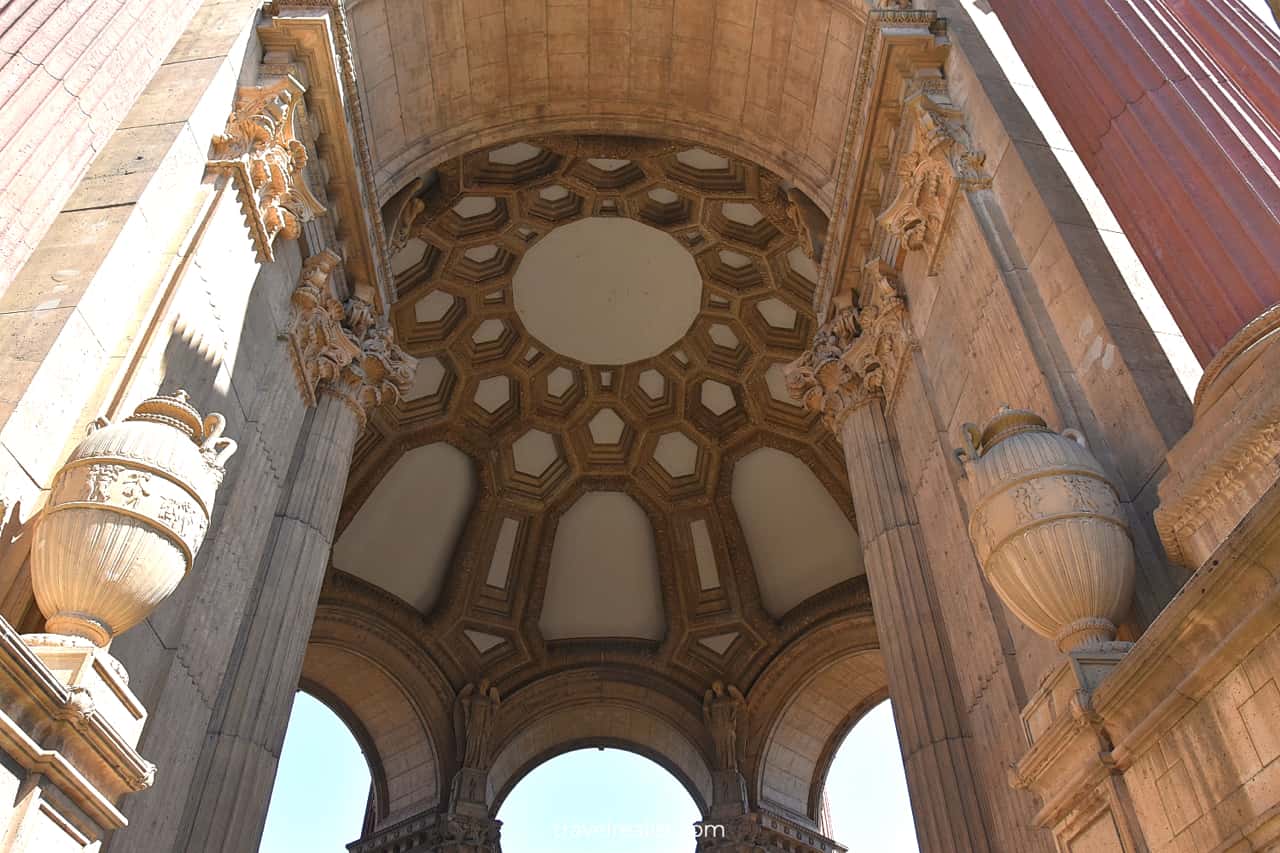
[(126, 515), (1048, 528)]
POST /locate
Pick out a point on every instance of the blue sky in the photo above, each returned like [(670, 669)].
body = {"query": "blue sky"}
[(587, 801)]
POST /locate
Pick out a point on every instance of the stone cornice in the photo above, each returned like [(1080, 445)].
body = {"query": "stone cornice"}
[(264, 152), (858, 354), (81, 753), (434, 832)]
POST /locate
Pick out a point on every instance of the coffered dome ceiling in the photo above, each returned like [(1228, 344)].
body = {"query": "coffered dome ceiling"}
[(599, 446)]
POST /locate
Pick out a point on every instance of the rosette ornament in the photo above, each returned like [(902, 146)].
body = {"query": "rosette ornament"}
[(126, 515), (1048, 528)]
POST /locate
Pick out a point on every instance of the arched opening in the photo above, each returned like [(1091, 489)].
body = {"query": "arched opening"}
[(865, 800), (321, 794), (589, 800)]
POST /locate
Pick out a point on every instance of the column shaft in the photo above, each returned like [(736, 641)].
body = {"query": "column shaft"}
[(228, 803), (1187, 161), (1247, 50), (925, 704)]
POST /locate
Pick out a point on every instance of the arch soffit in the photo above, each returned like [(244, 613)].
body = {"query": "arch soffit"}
[(804, 704), (626, 708), (768, 83), (391, 698), (818, 185)]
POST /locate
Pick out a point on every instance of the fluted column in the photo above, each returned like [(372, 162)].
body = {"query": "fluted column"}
[(347, 364), (1186, 156), (857, 357)]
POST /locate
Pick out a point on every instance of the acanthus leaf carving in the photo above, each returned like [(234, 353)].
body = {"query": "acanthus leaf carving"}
[(319, 345), (262, 152), (346, 349), (858, 354), (939, 162), (381, 372)]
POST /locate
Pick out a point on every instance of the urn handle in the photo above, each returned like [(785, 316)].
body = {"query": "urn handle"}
[(1076, 436), (96, 424), (215, 444), (970, 434)]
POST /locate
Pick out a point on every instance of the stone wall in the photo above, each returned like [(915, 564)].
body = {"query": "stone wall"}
[(69, 74)]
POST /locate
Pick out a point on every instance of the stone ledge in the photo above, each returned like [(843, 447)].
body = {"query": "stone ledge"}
[(58, 732)]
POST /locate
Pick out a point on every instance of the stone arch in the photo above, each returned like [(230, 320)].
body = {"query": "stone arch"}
[(573, 710), (483, 78), (377, 688), (804, 704)]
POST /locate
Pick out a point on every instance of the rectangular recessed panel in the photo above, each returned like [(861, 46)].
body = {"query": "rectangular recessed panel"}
[(708, 576), (500, 565)]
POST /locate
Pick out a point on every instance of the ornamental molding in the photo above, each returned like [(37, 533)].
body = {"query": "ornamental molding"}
[(381, 372), (264, 152), (936, 163), (435, 832), (310, 40), (319, 345), (343, 348), (897, 43), (858, 354)]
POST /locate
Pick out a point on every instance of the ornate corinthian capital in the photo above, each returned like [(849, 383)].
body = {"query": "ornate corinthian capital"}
[(938, 161), (380, 372), (343, 348), (857, 355), (262, 153), (320, 346)]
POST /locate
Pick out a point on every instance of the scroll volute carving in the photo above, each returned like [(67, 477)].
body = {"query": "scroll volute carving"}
[(938, 162), (262, 151)]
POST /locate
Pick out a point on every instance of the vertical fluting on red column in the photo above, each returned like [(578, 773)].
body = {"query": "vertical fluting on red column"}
[(1189, 164), (1243, 45)]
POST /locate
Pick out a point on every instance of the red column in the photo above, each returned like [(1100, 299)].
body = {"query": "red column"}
[(1187, 156), (1243, 45)]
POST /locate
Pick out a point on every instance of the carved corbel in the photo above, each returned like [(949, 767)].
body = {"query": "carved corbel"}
[(263, 153), (858, 354), (938, 162)]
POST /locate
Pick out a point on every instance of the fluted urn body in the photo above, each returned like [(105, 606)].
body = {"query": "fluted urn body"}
[(1048, 529), (126, 515)]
